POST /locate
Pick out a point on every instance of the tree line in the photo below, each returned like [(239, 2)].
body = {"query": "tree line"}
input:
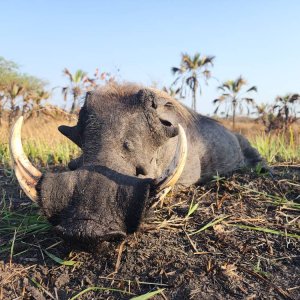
[(233, 93), (21, 93), (15, 85)]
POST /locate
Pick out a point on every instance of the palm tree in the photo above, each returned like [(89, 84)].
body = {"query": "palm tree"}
[(232, 92), (39, 97), (10, 86), (13, 91), (174, 93), (5, 80), (76, 86), (286, 110), (265, 113), (33, 88), (32, 100), (16, 86), (190, 70)]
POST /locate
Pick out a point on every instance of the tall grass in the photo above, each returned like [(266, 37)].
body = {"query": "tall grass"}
[(43, 153), (16, 225), (280, 147)]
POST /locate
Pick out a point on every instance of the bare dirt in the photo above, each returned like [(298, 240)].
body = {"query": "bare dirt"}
[(223, 261)]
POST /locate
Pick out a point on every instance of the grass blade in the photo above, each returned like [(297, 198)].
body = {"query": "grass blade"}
[(59, 260), (42, 288), (98, 288), (12, 248), (210, 224), (148, 295), (266, 230)]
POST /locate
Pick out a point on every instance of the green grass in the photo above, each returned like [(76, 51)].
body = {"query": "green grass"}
[(18, 225), (267, 230), (210, 224), (281, 147), (42, 153), (59, 260), (96, 288), (274, 148)]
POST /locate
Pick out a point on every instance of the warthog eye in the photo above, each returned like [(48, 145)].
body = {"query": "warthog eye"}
[(169, 104), (128, 145)]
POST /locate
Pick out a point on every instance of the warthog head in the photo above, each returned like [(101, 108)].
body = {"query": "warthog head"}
[(111, 184)]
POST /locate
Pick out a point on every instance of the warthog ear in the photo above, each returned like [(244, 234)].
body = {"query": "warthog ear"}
[(148, 98), (71, 133), (150, 101)]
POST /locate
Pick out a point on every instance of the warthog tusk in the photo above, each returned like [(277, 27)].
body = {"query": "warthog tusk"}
[(171, 175), (26, 173)]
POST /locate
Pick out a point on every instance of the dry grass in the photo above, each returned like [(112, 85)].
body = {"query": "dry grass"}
[(42, 141), (42, 127), (46, 146)]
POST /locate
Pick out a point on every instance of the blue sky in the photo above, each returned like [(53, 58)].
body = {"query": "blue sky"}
[(141, 40)]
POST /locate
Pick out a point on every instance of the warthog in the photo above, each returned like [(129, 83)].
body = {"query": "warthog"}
[(136, 143)]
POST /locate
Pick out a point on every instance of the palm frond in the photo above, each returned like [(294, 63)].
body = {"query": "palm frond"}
[(239, 82), (226, 95), (176, 70), (191, 81), (216, 110), (248, 100), (79, 76), (206, 60), (294, 97), (196, 59), (229, 85), (252, 89), (65, 91), (176, 80), (207, 74), (186, 61), (68, 73), (221, 99)]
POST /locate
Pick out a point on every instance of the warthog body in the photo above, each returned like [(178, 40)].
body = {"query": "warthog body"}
[(128, 137)]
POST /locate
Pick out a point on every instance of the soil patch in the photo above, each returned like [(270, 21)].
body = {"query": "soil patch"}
[(234, 238)]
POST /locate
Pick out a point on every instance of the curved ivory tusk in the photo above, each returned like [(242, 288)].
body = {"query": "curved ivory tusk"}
[(171, 175), (26, 173)]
